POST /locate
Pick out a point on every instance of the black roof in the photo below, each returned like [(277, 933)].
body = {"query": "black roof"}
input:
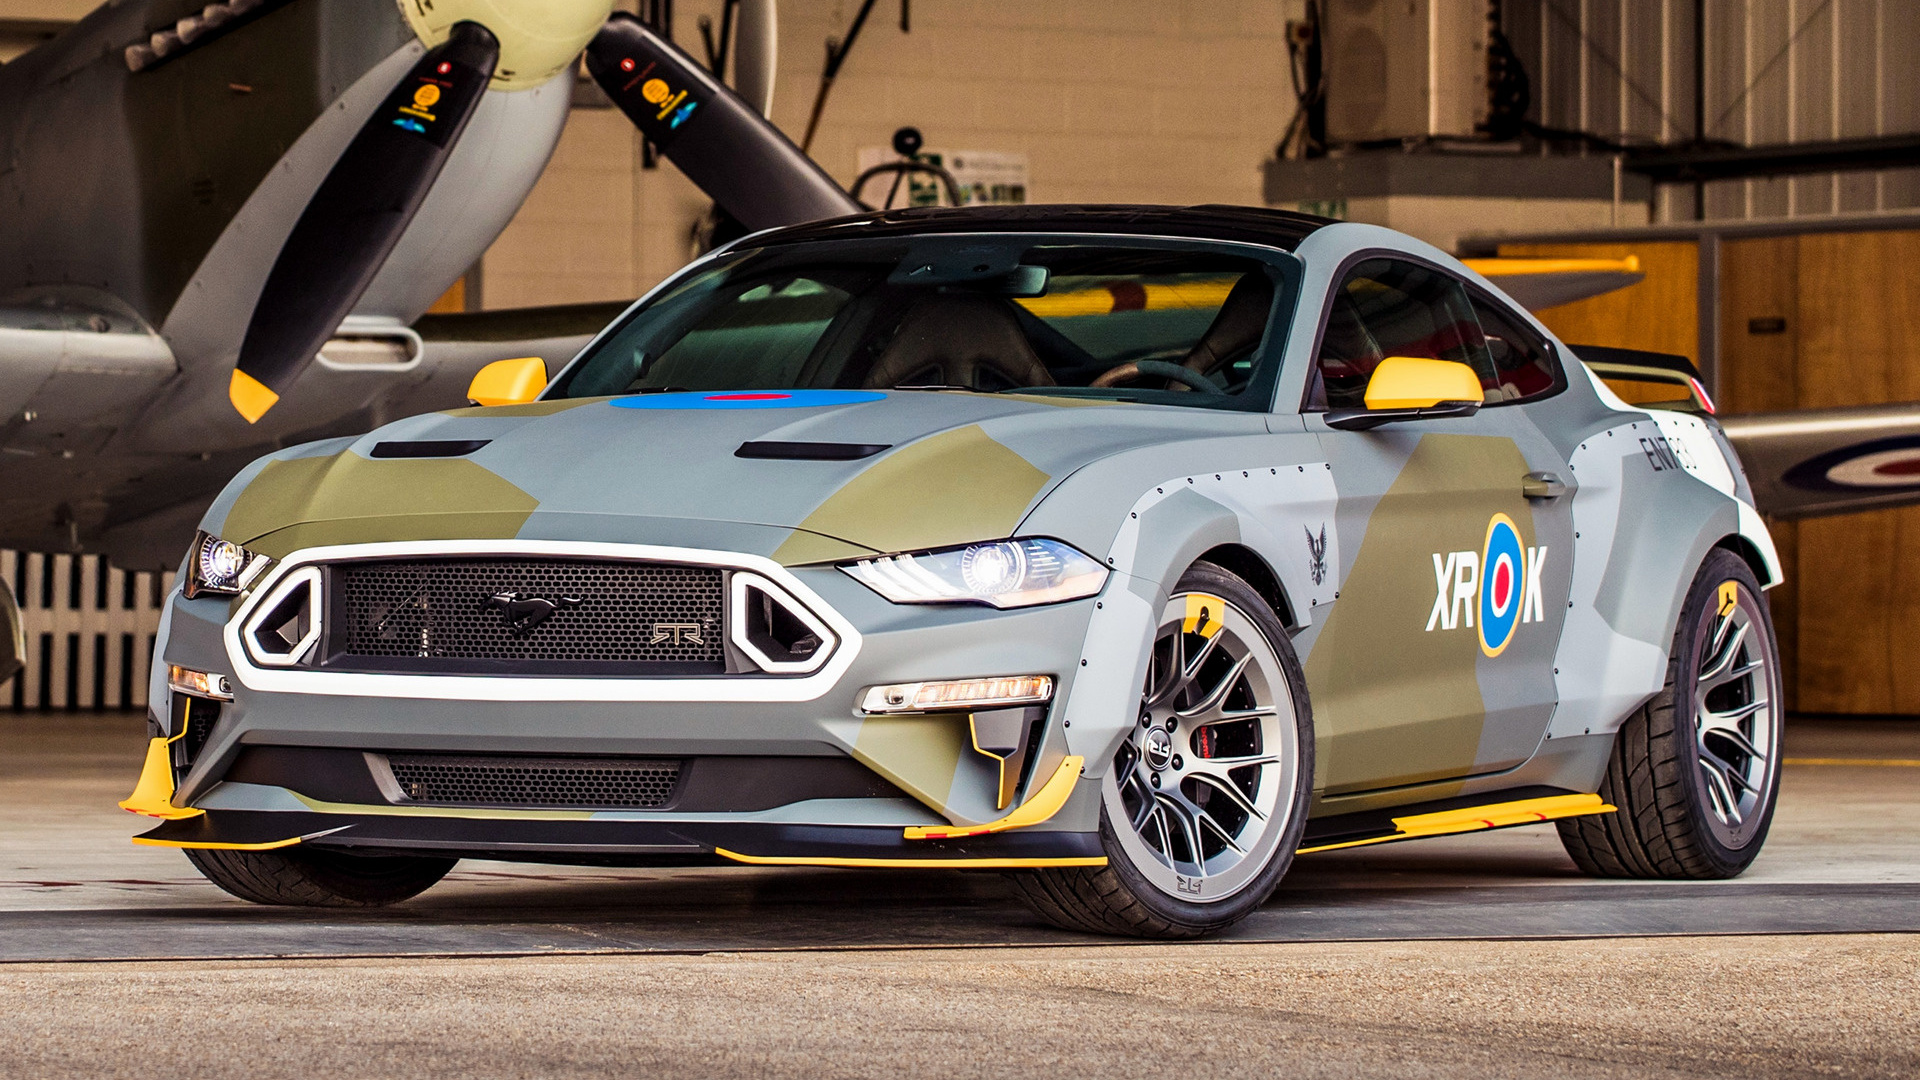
[(1282, 229)]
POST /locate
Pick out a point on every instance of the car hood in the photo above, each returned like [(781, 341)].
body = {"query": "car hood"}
[(668, 469)]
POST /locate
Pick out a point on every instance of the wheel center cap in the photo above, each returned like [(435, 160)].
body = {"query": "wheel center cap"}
[(1157, 747)]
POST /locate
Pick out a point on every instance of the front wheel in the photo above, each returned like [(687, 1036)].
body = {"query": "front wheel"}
[(1695, 771), (1205, 800)]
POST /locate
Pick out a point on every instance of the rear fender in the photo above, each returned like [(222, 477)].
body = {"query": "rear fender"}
[(1646, 514)]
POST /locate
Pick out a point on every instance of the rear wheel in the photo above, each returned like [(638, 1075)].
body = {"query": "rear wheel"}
[(1695, 771), (309, 877), (1204, 802)]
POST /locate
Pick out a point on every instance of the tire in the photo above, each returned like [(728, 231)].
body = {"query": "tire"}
[(1168, 846), (1695, 791), (308, 877)]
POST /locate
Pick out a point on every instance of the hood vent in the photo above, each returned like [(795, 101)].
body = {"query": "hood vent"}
[(428, 448), (810, 451)]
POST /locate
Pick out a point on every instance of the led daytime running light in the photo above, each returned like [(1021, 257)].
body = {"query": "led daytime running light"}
[(198, 683), (958, 694)]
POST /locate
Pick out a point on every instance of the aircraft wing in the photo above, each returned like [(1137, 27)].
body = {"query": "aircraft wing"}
[(1816, 462), (1537, 283)]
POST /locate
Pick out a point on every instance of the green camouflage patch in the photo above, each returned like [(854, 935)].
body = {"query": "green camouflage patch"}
[(953, 488), (347, 499)]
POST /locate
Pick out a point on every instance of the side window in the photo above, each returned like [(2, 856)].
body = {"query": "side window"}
[(1384, 308), (1523, 364)]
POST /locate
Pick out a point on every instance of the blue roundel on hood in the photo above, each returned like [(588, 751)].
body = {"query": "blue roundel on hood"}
[(749, 399)]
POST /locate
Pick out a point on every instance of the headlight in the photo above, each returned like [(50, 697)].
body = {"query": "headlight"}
[(1003, 573), (220, 567)]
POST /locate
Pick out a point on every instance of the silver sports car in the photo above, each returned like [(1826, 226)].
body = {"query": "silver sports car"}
[(1130, 550)]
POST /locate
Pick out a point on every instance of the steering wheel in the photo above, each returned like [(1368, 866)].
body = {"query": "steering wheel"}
[(1158, 369)]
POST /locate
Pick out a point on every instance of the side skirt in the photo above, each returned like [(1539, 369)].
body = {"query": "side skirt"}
[(1331, 834)]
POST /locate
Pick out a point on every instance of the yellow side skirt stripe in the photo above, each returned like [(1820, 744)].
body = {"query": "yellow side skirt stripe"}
[(1476, 818), (931, 864), (1044, 804)]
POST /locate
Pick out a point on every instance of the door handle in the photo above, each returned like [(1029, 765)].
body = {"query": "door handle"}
[(1542, 485)]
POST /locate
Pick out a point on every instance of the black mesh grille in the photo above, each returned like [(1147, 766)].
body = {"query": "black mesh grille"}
[(548, 783), (543, 616)]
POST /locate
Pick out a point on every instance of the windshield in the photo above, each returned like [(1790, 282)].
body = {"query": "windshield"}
[(1121, 321)]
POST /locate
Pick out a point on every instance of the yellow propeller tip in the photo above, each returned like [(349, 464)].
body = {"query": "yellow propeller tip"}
[(250, 396)]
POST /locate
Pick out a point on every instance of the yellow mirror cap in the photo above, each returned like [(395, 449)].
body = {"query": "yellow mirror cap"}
[(250, 396), (1412, 382), (508, 382)]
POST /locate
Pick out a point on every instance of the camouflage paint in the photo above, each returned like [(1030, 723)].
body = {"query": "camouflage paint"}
[(920, 754), (952, 488), (1393, 702), (347, 499)]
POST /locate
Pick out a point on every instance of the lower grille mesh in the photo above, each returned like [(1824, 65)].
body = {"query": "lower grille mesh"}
[(545, 783)]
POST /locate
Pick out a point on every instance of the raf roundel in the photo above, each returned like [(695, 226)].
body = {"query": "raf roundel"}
[(1503, 565)]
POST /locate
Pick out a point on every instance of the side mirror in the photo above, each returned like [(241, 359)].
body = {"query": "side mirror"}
[(1413, 388), (508, 382)]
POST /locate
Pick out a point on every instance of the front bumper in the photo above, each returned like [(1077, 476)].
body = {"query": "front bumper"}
[(931, 780)]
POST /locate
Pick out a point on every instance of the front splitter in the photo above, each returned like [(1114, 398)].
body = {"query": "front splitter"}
[(624, 841)]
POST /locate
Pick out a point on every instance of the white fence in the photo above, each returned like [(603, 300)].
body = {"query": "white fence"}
[(89, 631)]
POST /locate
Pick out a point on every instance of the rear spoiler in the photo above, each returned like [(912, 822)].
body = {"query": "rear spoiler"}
[(1640, 358), (1623, 367)]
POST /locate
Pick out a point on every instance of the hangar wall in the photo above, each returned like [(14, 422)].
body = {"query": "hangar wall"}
[(1111, 101), (1806, 316), (89, 631), (1775, 71)]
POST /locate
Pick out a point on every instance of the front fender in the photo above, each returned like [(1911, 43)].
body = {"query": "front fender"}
[(1280, 513)]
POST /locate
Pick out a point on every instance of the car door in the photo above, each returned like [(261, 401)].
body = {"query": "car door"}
[(1436, 661)]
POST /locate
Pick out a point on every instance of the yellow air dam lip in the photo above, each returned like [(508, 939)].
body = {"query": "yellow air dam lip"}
[(1478, 818), (199, 846), (1043, 805)]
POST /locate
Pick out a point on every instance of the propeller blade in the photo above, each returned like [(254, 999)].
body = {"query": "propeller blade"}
[(732, 152), (358, 214)]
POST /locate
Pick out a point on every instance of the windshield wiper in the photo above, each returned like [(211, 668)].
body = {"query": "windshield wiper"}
[(943, 386)]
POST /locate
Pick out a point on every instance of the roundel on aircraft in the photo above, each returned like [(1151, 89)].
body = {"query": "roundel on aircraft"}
[(1891, 463), (1503, 563)]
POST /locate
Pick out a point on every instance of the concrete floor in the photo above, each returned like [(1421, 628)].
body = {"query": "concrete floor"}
[(1395, 965), (1666, 1007)]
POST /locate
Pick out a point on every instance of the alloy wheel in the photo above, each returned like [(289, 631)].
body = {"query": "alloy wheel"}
[(1736, 715), (1203, 788)]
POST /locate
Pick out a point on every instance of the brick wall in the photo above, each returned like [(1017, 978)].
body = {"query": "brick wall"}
[(1111, 101)]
